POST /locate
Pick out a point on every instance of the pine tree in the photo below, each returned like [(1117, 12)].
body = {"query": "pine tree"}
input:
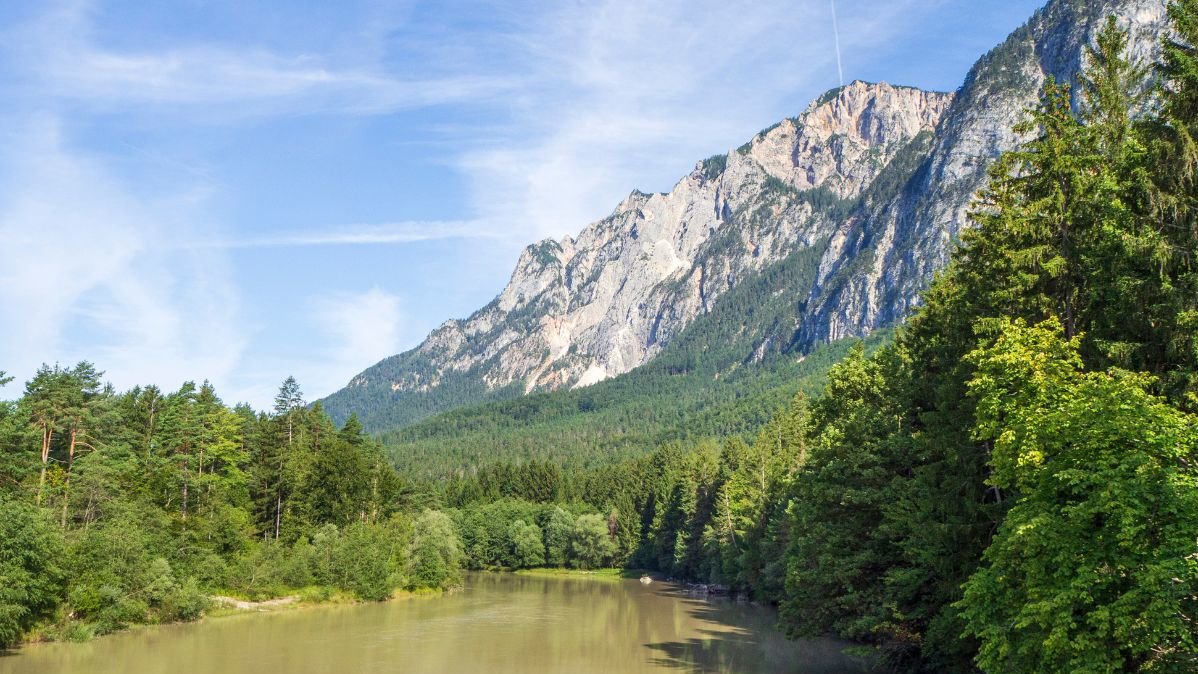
[(837, 558), (1173, 213)]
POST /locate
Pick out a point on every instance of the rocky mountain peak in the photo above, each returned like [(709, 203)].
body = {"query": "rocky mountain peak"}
[(841, 141), (587, 308), (858, 199)]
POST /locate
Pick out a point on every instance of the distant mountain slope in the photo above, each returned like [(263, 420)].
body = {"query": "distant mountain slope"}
[(725, 374), (582, 310), (616, 419), (859, 199)]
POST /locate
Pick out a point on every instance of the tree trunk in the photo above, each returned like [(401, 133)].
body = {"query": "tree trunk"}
[(729, 525), (374, 496), (186, 479), (200, 478), (150, 433), (66, 497), (47, 437)]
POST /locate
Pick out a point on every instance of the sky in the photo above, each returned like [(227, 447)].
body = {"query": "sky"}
[(242, 191)]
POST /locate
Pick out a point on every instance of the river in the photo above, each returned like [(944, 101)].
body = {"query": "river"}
[(498, 624)]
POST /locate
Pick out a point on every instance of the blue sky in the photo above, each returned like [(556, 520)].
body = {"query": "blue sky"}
[(239, 191)]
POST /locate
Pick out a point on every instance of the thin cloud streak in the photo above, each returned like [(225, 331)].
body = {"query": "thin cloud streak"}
[(391, 233), (836, 43)]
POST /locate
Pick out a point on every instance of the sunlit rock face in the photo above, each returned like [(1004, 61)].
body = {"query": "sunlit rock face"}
[(877, 179), (907, 237)]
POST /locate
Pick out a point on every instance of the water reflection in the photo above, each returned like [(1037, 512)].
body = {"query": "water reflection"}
[(740, 637), (499, 624)]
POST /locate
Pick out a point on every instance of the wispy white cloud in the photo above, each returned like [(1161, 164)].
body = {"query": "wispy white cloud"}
[(82, 275), (64, 60), (360, 328), (629, 97), (579, 103)]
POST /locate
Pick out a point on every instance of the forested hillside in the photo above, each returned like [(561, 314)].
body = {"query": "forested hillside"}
[(678, 398)]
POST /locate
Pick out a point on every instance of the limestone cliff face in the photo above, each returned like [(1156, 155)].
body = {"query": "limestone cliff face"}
[(875, 180), (893, 246), (581, 310)]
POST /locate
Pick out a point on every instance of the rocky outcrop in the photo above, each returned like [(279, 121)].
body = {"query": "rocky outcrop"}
[(583, 309), (876, 181), (884, 256)]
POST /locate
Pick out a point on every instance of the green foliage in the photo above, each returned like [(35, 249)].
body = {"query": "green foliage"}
[(367, 559), (436, 553), (1094, 568), (713, 167), (838, 502), (558, 528), (591, 546), (617, 419), (131, 508), (31, 570), (828, 96), (528, 548)]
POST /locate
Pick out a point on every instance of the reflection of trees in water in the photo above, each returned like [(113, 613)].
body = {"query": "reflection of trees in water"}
[(747, 642), (680, 631)]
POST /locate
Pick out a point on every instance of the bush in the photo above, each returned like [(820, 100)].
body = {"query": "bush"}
[(591, 546), (31, 575), (187, 602), (436, 553), (559, 529), (363, 562), (527, 549)]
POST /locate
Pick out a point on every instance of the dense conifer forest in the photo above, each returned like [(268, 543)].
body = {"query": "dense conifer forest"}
[(1008, 485)]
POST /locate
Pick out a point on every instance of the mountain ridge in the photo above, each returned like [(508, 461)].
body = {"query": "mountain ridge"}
[(583, 309), (586, 308)]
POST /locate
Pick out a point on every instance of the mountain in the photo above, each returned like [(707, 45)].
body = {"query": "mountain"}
[(824, 226), (885, 253)]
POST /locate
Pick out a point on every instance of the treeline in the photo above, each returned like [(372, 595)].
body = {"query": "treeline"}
[(711, 513), (135, 507), (1012, 485)]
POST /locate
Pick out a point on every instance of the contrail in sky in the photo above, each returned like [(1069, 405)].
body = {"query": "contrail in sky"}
[(836, 37)]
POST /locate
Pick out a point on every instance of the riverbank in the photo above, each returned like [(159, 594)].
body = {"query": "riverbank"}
[(69, 630), (223, 605), (220, 601)]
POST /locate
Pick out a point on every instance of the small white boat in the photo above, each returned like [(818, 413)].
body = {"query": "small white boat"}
[(645, 580)]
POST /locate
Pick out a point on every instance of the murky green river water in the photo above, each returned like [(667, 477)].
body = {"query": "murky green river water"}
[(499, 624)]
